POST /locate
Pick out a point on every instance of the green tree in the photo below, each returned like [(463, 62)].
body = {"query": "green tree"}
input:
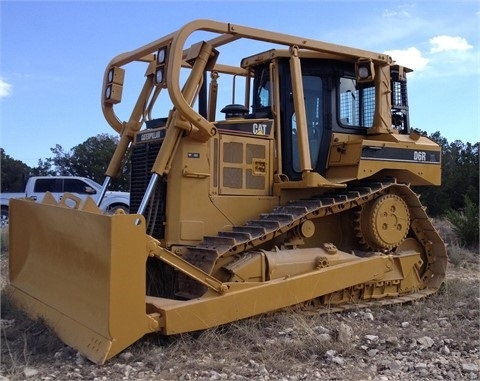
[(14, 173), (465, 223), (59, 165), (89, 159), (460, 177)]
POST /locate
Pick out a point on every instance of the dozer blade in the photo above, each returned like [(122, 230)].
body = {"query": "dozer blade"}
[(81, 272)]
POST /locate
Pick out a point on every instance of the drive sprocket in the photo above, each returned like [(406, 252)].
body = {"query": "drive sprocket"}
[(383, 224)]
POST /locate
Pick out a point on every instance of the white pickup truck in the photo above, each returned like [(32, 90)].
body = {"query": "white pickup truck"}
[(82, 187)]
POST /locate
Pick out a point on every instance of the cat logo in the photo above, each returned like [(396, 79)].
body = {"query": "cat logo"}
[(259, 128)]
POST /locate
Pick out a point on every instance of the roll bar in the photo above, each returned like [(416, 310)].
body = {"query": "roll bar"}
[(179, 56)]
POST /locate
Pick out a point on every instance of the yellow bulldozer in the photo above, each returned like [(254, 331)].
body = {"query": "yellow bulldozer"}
[(281, 179)]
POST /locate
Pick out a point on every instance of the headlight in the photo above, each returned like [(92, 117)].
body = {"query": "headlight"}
[(114, 85), (110, 76), (108, 92), (116, 75), (161, 66), (364, 70), (161, 55), (113, 93), (159, 77)]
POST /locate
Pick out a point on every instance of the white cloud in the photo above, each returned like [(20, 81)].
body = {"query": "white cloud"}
[(411, 58), (401, 11), (5, 88), (448, 43)]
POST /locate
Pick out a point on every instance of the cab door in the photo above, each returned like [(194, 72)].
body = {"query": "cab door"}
[(317, 85), (317, 94)]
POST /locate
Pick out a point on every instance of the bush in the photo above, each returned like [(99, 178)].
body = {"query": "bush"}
[(465, 223)]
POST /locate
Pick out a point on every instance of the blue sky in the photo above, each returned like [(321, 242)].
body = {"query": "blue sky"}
[(53, 55)]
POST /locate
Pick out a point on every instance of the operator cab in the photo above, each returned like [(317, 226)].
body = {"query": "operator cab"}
[(334, 100)]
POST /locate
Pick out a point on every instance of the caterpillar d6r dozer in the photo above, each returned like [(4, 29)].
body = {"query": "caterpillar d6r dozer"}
[(283, 179)]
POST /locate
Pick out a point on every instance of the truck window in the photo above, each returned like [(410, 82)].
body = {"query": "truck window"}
[(48, 185), (356, 104), (76, 186)]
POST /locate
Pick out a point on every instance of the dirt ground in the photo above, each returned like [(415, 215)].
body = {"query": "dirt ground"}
[(436, 338)]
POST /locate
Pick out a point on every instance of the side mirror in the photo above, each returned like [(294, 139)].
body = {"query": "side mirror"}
[(90, 190)]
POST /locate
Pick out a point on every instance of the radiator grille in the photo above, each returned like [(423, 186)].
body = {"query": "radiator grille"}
[(254, 182), (255, 151), (142, 160), (232, 177), (244, 169), (233, 153)]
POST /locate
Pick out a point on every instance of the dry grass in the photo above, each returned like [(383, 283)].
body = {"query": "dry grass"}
[(282, 343), (290, 342), (459, 258)]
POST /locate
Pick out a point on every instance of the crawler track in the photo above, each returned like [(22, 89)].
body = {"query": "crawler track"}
[(282, 219)]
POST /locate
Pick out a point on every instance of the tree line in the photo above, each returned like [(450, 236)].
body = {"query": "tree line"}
[(88, 159), (457, 197)]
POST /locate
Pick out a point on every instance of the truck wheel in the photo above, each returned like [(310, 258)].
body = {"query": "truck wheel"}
[(4, 218), (113, 209)]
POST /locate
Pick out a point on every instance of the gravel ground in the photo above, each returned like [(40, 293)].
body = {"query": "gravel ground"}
[(436, 338)]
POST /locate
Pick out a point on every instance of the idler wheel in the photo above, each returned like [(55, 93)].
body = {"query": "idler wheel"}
[(384, 223)]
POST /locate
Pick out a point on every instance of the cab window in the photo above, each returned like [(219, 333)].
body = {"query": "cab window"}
[(356, 103), (263, 90), (313, 90)]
